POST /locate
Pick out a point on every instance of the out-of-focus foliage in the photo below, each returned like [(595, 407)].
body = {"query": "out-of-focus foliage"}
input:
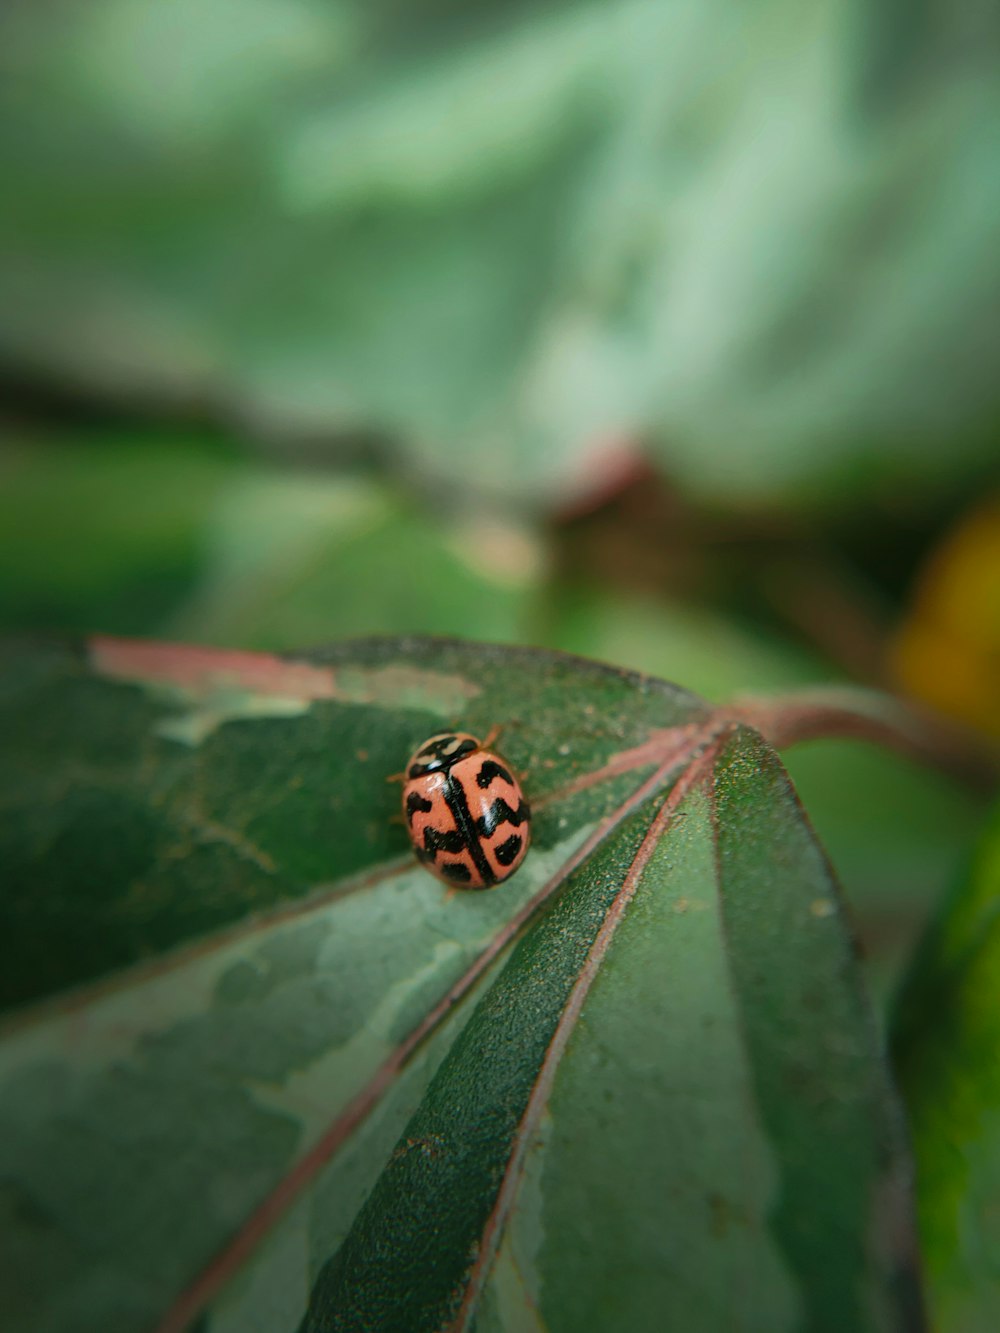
[(947, 651), (180, 539), (947, 1040), (103, 532), (507, 236)]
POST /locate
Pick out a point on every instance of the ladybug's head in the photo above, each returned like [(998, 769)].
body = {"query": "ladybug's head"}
[(440, 752)]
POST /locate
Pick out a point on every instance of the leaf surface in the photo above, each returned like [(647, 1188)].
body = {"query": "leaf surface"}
[(262, 1069)]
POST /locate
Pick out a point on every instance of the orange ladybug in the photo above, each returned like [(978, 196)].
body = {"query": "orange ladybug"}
[(467, 817)]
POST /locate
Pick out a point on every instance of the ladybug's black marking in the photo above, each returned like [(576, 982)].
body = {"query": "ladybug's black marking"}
[(490, 770), (439, 745), (501, 813), (415, 802), (507, 852), (435, 842), (454, 794), (439, 755), (456, 871)]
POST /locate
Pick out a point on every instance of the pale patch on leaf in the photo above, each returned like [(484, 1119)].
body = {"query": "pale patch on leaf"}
[(209, 687)]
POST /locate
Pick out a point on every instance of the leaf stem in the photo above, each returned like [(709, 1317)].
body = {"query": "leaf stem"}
[(845, 712)]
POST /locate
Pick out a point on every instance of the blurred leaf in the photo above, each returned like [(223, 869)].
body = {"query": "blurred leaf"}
[(511, 236), (295, 558), (103, 531), (720, 655), (897, 834), (156, 534), (292, 1071), (947, 651), (947, 1053)]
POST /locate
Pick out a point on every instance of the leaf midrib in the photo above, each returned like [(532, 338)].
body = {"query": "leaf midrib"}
[(697, 770), (228, 1261)]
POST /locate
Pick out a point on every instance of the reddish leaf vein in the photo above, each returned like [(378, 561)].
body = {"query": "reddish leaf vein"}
[(238, 1250), (697, 771)]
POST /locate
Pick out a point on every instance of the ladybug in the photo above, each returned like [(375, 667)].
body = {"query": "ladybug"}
[(467, 817)]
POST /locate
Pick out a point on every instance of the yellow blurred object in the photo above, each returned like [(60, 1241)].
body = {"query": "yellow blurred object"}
[(946, 652)]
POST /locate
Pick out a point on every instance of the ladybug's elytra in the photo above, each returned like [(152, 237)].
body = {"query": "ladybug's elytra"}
[(468, 820)]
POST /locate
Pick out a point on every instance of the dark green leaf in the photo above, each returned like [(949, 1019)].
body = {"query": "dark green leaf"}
[(650, 1098), (270, 1065)]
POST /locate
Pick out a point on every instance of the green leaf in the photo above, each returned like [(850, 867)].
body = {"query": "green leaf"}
[(263, 1070), (104, 530), (764, 272), (947, 1053), (155, 533)]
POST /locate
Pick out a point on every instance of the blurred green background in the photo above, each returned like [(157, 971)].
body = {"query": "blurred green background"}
[(664, 333)]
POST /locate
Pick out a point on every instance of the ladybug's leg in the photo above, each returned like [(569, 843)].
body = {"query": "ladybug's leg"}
[(397, 819), (493, 737), (396, 777)]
